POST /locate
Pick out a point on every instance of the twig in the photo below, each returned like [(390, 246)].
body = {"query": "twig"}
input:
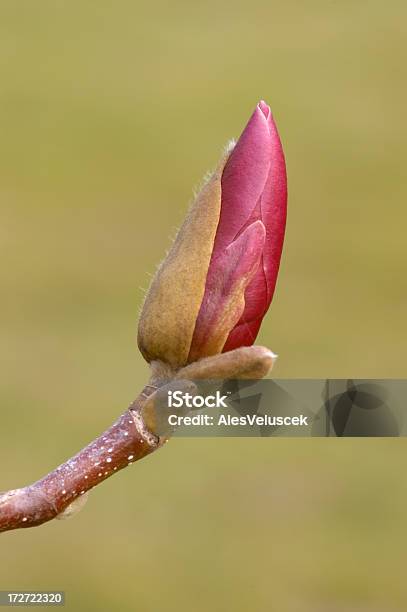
[(142, 429), (125, 442)]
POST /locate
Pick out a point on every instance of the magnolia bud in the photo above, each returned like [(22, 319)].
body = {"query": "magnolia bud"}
[(213, 289)]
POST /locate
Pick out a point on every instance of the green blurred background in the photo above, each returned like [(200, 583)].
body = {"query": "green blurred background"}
[(110, 113)]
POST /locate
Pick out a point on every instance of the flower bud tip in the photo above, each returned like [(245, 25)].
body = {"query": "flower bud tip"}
[(265, 109)]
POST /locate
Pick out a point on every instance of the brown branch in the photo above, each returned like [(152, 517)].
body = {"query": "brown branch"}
[(142, 429), (125, 442)]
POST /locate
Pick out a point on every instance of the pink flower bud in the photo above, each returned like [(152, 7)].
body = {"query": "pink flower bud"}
[(249, 235), (212, 291)]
